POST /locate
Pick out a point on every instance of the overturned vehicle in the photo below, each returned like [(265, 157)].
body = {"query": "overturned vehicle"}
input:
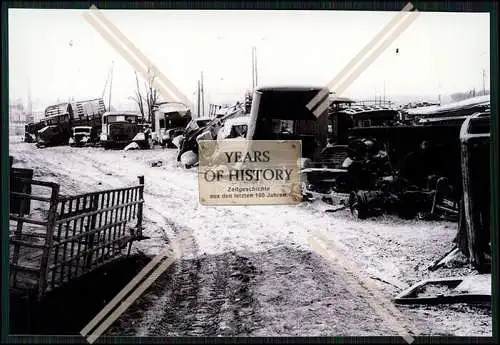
[(56, 130), (31, 131)]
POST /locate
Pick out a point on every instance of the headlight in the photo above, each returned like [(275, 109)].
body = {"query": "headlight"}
[(71, 141), (103, 137)]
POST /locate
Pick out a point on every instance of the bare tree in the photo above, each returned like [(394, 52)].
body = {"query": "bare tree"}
[(139, 96), (151, 99), (150, 95)]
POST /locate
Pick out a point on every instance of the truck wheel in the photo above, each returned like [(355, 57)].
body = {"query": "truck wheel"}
[(358, 204)]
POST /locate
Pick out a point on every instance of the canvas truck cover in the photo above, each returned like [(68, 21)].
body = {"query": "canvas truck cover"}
[(57, 109), (93, 108)]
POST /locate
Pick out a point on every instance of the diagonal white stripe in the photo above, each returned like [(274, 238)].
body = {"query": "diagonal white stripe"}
[(121, 38), (410, 18), (365, 288), (125, 54), (125, 291), (131, 299), (363, 53)]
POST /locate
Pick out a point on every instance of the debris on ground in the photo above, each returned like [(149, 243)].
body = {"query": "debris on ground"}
[(132, 146), (470, 289)]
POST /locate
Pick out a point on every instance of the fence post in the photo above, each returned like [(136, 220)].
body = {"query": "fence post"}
[(140, 208), (51, 221), (22, 211), (90, 239)]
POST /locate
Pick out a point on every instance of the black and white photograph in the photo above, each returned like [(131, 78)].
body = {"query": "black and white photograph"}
[(390, 237)]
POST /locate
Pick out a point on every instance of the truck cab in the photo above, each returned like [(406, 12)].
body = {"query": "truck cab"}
[(171, 119), (119, 128), (56, 130)]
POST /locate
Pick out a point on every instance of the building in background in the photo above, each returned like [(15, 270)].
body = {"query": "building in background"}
[(17, 117)]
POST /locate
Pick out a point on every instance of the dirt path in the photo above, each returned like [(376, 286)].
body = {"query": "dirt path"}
[(249, 270)]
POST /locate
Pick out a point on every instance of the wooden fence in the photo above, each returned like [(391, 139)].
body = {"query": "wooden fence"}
[(72, 236)]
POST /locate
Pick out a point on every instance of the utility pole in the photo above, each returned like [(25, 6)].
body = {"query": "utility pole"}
[(29, 113), (256, 69), (110, 85), (199, 95), (202, 96), (384, 92), (484, 84), (253, 69)]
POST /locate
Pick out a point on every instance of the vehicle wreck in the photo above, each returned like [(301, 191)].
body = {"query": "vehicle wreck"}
[(120, 129), (60, 119), (187, 153), (171, 119)]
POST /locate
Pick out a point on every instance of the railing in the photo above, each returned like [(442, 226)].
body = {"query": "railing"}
[(74, 235)]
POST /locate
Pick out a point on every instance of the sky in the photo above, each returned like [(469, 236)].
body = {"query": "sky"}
[(57, 54)]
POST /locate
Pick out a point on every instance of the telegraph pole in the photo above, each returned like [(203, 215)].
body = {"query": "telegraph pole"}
[(256, 69), (29, 114), (199, 100), (253, 68), (484, 84), (202, 96), (384, 93)]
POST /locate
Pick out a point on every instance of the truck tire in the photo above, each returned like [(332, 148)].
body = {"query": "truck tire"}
[(358, 204)]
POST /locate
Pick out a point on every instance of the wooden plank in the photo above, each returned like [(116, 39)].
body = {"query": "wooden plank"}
[(24, 268), (22, 243), (30, 196), (28, 220), (48, 240), (38, 182), (93, 193), (18, 233), (140, 207), (58, 245), (90, 233)]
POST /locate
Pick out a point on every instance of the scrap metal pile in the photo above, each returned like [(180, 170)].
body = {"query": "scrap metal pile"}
[(405, 169)]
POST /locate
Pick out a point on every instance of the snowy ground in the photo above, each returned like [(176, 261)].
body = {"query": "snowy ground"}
[(249, 270)]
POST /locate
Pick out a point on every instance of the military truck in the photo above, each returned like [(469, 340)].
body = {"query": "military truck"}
[(57, 126), (56, 130), (119, 129), (281, 113), (171, 119)]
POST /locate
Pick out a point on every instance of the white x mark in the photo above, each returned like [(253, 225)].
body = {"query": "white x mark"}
[(134, 56), (321, 100)]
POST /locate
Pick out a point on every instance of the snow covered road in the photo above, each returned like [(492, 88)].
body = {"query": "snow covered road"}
[(249, 270)]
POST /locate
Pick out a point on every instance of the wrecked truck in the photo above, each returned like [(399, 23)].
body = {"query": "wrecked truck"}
[(187, 153), (56, 130), (171, 119), (120, 129), (281, 113), (57, 125), (83, 136), (31, 131), (427, 175)]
